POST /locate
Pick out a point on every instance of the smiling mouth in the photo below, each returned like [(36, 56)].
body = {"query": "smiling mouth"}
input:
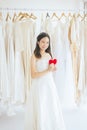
[(43, 47)]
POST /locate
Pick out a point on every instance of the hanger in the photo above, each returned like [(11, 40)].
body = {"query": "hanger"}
[(25, 16), (0, 16), (13, 19), (8, 17), (63, 14), (33, 16), (79, 15), (54, 15), (74, 15), (20, 16), (47, 15), (70, 15), (85, 15)]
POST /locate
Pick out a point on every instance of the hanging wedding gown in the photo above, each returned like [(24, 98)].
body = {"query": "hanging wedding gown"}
[(10, 59), (58, 31), (24, 35), (83, 61), (19, 71), (4, 93), (43, 110)]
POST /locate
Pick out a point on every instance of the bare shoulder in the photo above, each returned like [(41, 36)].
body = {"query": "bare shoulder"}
[(33, 58)]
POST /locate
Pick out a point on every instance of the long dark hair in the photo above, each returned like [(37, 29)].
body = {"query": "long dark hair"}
[(37, 48)]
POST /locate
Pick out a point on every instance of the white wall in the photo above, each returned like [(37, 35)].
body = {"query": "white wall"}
[(40, 4)]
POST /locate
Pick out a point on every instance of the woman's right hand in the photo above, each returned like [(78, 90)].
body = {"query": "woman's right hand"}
[(51, 67)]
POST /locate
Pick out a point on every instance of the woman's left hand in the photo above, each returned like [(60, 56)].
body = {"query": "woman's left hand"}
[(54, 68)]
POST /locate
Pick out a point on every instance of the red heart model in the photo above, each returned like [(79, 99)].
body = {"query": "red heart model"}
[(54, 61)]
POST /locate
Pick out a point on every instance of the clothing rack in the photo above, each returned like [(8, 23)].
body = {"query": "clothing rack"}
[(50, 10)]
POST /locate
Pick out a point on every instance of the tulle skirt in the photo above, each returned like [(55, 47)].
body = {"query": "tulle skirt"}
[(43, 110)]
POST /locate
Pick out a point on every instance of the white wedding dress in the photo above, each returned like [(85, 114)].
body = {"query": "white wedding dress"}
[(43, 105)]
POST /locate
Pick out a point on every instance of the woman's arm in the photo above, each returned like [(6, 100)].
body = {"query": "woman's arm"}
[(34, 72)]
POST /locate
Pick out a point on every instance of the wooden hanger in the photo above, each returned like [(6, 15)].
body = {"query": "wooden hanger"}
[(20, 16), (79, 15), (0, 16), (62, 15), (54, 16), (27, 16), (14, 17), (8, 17), (33, 16), (24, 16), (85, 15), (74, 15), (70, 15)]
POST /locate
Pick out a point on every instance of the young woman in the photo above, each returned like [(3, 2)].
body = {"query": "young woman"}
[(43, 107)]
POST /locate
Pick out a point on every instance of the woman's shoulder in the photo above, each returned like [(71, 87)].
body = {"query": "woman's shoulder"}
[(33, 57)]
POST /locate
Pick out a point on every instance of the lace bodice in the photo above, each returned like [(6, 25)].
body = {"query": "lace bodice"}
[(42, 64)]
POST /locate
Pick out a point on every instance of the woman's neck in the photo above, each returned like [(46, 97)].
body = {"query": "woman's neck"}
[(42, 52)]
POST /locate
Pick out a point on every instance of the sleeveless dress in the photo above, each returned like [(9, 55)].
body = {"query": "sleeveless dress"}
[(43, 111)]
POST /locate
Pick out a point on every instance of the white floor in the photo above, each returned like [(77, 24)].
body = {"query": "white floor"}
[(75, 119)]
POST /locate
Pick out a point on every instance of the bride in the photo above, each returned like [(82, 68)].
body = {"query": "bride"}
[(43, 111)]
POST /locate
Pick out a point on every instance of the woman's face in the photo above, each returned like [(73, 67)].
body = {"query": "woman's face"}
[(44, 43)]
